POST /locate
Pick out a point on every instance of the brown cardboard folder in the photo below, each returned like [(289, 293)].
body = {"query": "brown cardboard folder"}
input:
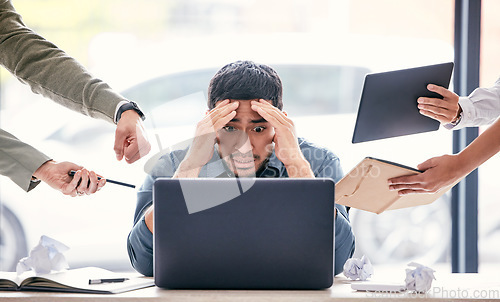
[(365, 187)]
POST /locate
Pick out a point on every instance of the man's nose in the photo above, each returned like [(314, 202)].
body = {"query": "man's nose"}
[(244, 144)]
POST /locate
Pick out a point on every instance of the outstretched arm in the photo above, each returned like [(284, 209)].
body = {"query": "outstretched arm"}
[(445, 170), (51, 72), (26, 167), (481, 107)]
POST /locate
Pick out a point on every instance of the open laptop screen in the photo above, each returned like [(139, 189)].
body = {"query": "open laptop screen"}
[(264, 233)]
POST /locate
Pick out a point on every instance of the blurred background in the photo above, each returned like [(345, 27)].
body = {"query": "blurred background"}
[(162, 55)]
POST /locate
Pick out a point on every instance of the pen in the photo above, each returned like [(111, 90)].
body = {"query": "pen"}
[(99, 281), (72, 173)]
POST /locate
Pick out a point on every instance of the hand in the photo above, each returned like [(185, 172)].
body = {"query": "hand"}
[(56, 175), (446, 110), (130, 138), (286, 145), (439, 172), (202, 148)]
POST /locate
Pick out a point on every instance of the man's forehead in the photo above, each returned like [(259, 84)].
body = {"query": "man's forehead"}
[(244, 113), (243, 101), (243, 104)]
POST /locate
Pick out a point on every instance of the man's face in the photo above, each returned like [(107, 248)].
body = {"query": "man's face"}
[(246, 141)]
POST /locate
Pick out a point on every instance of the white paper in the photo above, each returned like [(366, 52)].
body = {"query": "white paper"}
[(361, 269), (370, 286), (420, 278), (44, 258)]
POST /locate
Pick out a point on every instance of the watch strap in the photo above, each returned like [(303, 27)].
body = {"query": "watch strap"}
[(129, 106)]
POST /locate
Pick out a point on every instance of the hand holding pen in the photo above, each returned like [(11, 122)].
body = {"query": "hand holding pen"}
[(85, 182), (72, 173), (55, 174)]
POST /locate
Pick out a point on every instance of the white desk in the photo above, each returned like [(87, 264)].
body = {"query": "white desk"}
[(446, 287)]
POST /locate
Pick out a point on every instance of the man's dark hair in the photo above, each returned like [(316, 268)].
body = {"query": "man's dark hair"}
[(245, 80)]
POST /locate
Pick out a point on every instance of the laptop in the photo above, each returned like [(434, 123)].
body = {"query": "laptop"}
[(388, 105), (261, 233)]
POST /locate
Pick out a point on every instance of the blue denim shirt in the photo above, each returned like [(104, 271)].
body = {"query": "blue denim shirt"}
[(323, 163)]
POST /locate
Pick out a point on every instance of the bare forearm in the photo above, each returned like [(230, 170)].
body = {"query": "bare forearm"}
[(300, 169), (186, 170), (51, 72), (481, 149)]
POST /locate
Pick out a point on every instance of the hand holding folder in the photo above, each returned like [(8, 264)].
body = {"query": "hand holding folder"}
[(365, 187)]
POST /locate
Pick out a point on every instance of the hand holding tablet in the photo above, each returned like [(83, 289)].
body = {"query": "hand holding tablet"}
[(388, 105)]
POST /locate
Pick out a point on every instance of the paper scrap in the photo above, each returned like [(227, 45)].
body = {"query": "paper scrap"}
[(420, 278), (47, 256), (355, 268)]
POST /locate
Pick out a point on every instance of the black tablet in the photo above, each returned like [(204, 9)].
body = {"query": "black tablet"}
[(388, 105)]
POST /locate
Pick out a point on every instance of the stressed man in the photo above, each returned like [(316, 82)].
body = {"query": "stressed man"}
[(245, 133)]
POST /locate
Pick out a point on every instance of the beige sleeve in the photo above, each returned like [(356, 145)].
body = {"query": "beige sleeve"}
[(19, 161), (49, 71)]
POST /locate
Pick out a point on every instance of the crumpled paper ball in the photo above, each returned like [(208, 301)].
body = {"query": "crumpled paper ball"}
[(420, 278), (45, 257), (355, 268)]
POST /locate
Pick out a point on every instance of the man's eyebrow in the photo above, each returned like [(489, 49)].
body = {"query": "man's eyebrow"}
[(261, 120)]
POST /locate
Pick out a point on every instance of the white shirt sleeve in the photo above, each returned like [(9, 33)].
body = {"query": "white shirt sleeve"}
[(481, 107)]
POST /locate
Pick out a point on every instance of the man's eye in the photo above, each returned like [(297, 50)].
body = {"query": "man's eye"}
[(229, 128), (259, 129)]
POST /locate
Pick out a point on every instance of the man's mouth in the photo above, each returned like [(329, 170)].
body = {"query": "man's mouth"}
[(243, 162)]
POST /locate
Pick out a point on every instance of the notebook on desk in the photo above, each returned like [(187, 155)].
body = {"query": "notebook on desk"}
[(253, 233), (74, 281)]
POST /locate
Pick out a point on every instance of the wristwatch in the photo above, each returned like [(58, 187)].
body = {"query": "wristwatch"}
[(129, 106)]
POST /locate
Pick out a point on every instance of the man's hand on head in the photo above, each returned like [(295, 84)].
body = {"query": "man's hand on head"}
[(446, 110), (201, 150), (286, 147)]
